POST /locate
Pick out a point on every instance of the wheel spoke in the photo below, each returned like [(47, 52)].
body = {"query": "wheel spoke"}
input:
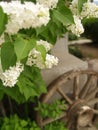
[(64, 95), (76, 87), (91, 94), (49, 120), (95, 111), (77, 100), (85, 89), (93, 101)]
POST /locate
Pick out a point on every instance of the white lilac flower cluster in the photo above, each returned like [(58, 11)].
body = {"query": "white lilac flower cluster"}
[(35, 57), (50, 61), (24, 15), (47, 45), (48, 3), (74, 7), (89, 10), (76, 28), (10, 76)]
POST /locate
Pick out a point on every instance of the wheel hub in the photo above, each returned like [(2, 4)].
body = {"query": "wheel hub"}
[(79, 114)]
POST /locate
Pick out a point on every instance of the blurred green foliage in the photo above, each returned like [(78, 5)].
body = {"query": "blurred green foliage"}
[(91, 29)]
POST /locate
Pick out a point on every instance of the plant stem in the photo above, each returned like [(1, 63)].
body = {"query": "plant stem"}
[(2, 109), (26, 110), (10, 104)]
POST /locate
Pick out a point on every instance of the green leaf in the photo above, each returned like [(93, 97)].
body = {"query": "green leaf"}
[(22, 47), (3, 20), (40, 30), (42, 50), (57, 125), (80, 4), (8, 57), (23, 123), (30, 83), (63, 14), (44, 33), (26, 88), (13, 92), (38, 80)]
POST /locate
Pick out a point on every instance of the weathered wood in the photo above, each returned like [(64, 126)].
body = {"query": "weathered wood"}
[(88, 128), (64, 95), (80, 102), (93, 101), (76, 87), (91, 94), (79, 115), (86, 87), (95, 111), (85, 116), (54, 86)]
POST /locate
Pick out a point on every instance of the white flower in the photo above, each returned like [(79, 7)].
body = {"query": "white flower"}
[(2, 39), (35, 58), (24, 15), (89, 10), (74, 7), (13, 25), (10, 76), (50, 61), (76, 28), (47, 45), (48, 3)]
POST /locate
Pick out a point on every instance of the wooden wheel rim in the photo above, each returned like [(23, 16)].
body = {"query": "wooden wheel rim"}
[(78, 95)]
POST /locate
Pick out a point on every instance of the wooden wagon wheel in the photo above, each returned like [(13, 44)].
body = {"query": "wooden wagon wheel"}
[(81, 98)]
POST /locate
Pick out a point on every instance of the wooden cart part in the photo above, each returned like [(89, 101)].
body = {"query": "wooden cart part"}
[(81, 105)]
